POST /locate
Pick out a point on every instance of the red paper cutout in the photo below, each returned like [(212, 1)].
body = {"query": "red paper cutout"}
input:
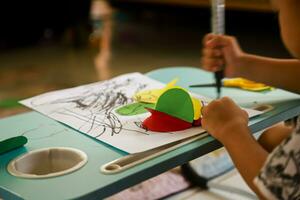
[(162, 122)]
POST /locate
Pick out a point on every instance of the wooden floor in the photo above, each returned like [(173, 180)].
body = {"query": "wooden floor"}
[(147, 41)]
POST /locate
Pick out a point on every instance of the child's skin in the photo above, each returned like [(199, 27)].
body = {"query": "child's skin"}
[(223, 119)]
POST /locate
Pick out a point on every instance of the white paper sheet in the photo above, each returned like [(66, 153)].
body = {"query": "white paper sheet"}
[(90, 109)]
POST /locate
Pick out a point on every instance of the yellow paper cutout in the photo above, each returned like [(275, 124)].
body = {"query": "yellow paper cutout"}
[(197, 108), (245, 84), (151, 96)]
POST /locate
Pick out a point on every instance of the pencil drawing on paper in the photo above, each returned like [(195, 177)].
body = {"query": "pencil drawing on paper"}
[(95, 108), (90, 109)]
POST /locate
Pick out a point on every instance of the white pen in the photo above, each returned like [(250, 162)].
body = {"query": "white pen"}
[(218, 27)]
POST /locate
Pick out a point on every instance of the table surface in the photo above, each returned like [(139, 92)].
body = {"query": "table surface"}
[(88, 182)]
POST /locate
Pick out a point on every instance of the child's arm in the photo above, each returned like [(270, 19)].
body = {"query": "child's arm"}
[(224, 50), (225, 121), (281, 73), (273, 136), (247, 155)]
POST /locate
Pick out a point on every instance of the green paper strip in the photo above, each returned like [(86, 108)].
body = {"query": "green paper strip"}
[(134, 109), (9, 103), (177, 103)]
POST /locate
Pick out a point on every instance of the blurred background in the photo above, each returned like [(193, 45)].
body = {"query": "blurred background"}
[(49, 45)]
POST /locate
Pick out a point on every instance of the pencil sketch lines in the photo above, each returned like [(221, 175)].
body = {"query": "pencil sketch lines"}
[(93, 105), (39, 132)]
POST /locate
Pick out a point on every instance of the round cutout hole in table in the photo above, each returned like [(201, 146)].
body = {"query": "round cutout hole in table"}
[(48, 162)]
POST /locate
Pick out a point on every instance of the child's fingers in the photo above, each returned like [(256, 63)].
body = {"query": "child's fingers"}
[(213, 53), (213, 41), (245, 114), (204, 111), (207, 38), (219, 41), (212, 59), (228, 102), (212, 64)]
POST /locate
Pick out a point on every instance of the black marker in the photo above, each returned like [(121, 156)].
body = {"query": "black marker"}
[(219, 75)]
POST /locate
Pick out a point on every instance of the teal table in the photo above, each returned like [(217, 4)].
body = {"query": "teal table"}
[(89, 182)]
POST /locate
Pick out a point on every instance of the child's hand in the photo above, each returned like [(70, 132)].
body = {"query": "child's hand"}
[(220, 50), (222, 117)]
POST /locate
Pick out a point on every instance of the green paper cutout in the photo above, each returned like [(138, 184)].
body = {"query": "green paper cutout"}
[(9, 103), (177, 103), (134, 109)]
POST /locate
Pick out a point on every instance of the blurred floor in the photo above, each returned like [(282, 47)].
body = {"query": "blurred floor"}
[(143, 40)]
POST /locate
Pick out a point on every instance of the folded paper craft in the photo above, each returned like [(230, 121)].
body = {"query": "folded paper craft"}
[(140, 106), (175, 110)]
